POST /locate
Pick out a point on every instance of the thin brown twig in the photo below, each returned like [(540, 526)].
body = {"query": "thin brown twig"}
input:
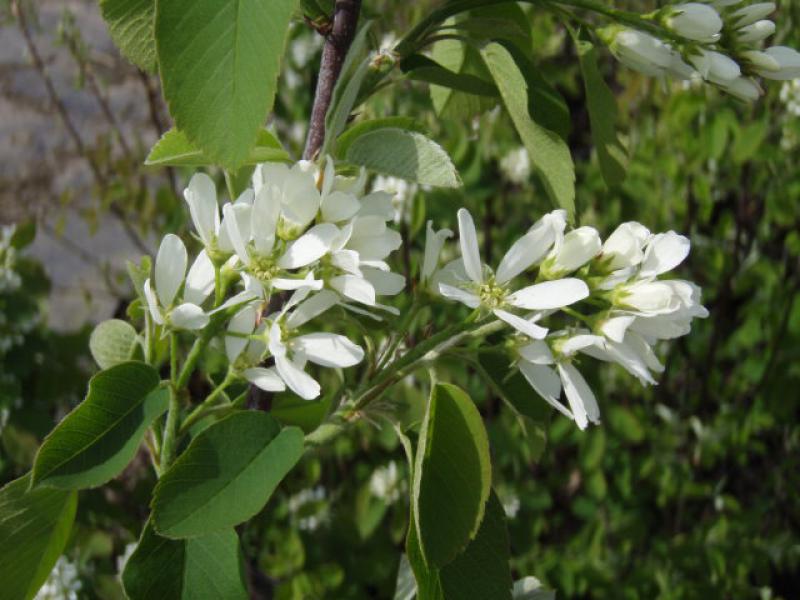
[(158, 123), (337, 43)]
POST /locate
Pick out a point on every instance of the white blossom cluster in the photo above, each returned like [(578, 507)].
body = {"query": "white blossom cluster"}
[(300, 230), (627, 307), (718, 41)]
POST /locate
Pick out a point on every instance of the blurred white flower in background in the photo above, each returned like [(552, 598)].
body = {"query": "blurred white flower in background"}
[(63, 582), (516, 166)]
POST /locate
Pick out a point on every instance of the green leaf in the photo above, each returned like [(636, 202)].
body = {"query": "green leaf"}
[(225, 476), (219, 66), (203, 568), (452, 475), (353, 132), (491, 28), (174, 149), (131, 25), (480, 571), (97, 440), (139, 274), (548, 151), (34, 529), (421, 68), (405, 154), (602, 105), (112, 342), (462, 59)]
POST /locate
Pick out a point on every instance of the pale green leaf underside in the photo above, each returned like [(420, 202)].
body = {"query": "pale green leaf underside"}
[(34, 529), (549, 153), (219, 65), (225, 476), (405, 154), (175, 150), (131, 25), (112, 342), (202, 568), (452, 475), (97, 440)]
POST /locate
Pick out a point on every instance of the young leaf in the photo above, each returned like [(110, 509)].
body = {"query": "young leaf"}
[(462, 59), (452, 475), (405, 154), (131, 25), (422, 68), (112, 342), (225, 476), (219, 66), (353, 132), (174, 149), (548, 151), (602, 105), (100, 437), (34, 529), (203, 568)]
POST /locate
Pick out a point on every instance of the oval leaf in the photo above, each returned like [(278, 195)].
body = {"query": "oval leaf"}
[(100, 437), (452, 475), (34, 529), (219, 66), (355, 131), (225, 476), (405, 154), (548, 151), (203, 568), (112, 342), (175, 150)]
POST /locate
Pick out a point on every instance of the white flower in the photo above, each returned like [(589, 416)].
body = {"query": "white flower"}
[(434, 242), (516, 166), (787, 63), (170, 269), (625, 246), (756, 32), (664, 252), (291, 352), (578, 247), (695, 21), (401, 192), (715, 67), (295, 195), (641, 51), (492, 292), (744, 89), (535, 361)]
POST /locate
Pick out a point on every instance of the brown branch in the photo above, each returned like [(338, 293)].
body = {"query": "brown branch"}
[(55, 99), (337, 43)]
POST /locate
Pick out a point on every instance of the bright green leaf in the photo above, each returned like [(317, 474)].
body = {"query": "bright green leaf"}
[(131, 25), (225, 476), (405, 154), (174, 149), (219, 66), (421, 68), (355, 131), (112, 342), (602, 106), (452, 475), (549, 153), (34, 529), (100, 437), (459, 58), (203, 568)]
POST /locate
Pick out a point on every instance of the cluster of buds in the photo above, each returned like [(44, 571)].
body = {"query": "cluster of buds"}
[(300, 230), (605, 300), (719, 41)]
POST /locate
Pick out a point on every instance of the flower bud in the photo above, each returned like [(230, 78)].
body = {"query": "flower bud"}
[(625, 247), (695, 21), (641, 51), (761, 61), (787, 60), (748, 15), (758, 31), (744, 89), (715, 67)]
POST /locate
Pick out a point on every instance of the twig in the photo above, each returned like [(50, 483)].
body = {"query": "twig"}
[(337, 43)]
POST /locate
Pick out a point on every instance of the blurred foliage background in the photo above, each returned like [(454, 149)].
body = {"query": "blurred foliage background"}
[(688, 490)]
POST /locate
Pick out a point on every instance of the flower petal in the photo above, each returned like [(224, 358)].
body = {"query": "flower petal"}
[(152, 303), (355, 288), (235, 231), (243, 323), (311, 246), (201, 196), (522, 325), (311, 308), (200, 280), (297, 380), (264, 218), (580, 396), (265, 379), (664, 252), (329, 349), (526, 251), (538, 353), (385, 284), (188, 316), (463, 296), (547, 384), (550, 294), (339, 206), (170, 268), (434, 242), (470, 252)]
